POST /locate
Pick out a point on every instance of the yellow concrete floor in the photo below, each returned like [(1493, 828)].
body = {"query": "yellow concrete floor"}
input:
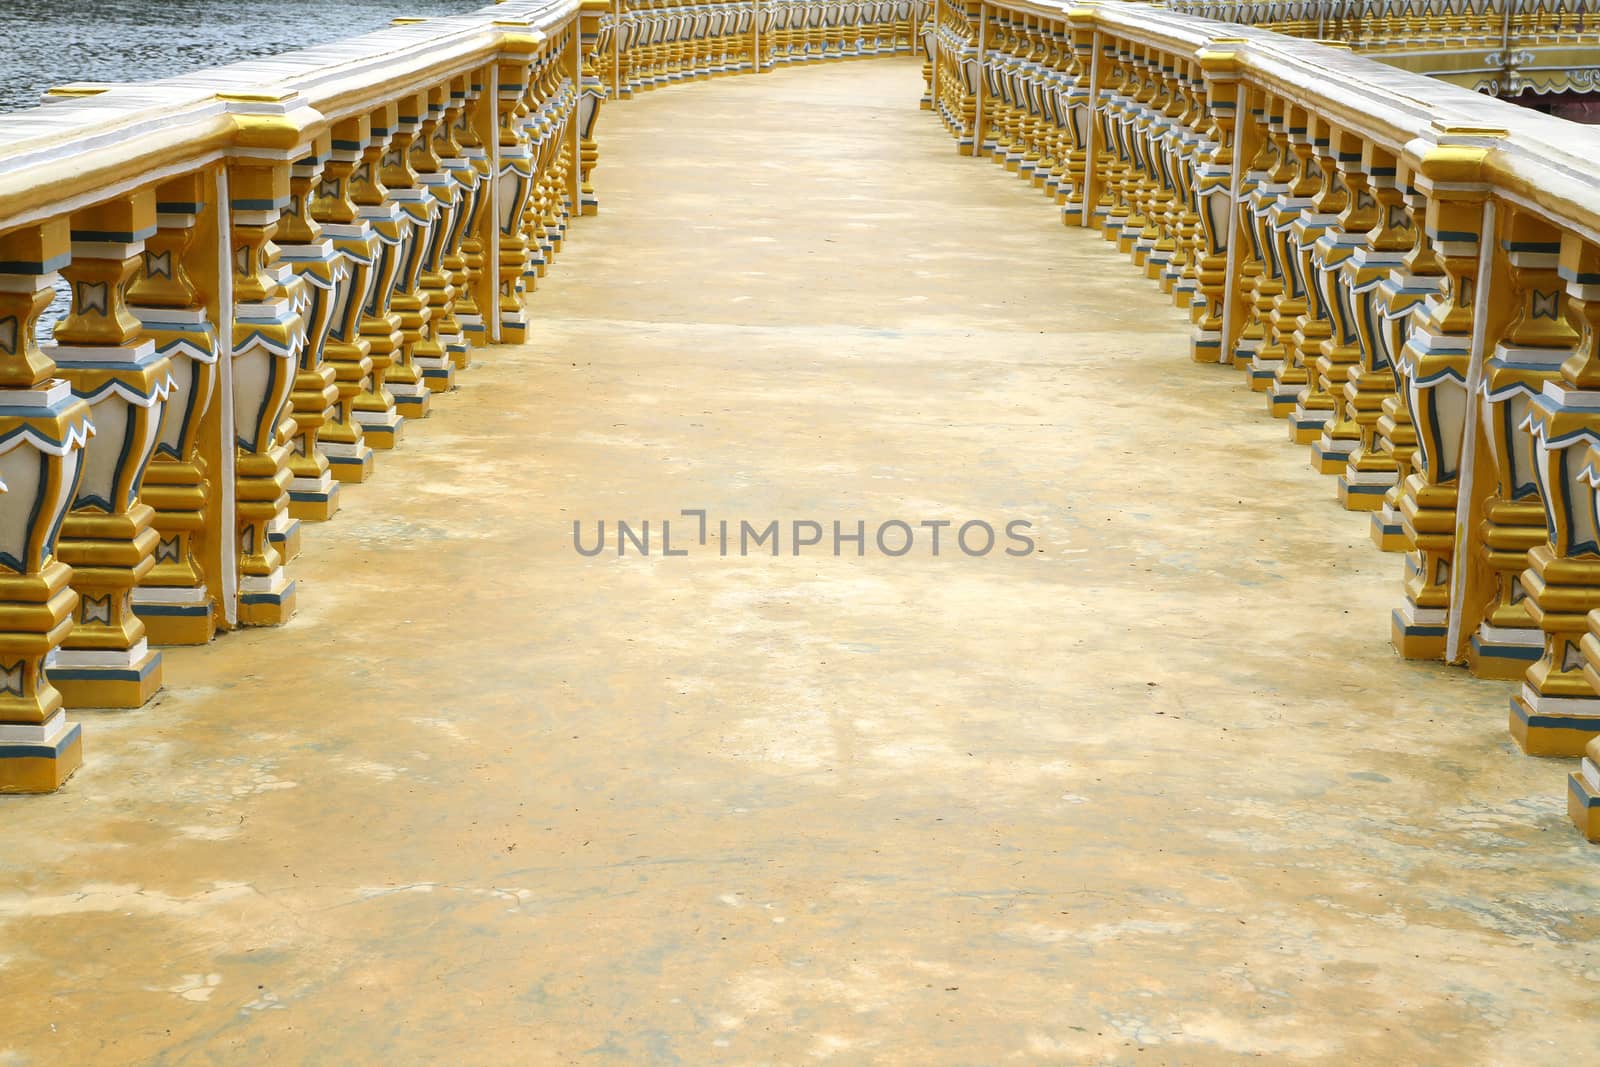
[(1159, 793)]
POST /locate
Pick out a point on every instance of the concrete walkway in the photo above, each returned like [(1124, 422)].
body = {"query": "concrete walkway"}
[(1158, 792)]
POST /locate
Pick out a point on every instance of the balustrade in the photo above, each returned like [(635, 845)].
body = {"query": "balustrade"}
[(645, 44), (1409, 271), (270, 267)]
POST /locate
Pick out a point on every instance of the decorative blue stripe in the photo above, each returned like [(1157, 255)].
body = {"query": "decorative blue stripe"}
[(99, 674), (172, 610), (121, 237), (1417, 629), (34, 266), (268, 598), (1589, 724), (41, 750)]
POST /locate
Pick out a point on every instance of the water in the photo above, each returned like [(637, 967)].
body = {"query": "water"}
[(53, 42)]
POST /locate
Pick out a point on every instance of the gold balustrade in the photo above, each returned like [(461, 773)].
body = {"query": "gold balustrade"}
[(646, 44), (270, 268), (1408, 270)]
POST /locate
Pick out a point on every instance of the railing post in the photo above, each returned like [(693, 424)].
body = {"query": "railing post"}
[(43, 429), (616, 48), (1253, 153), (217, 542), (1078, 103), (979, 86)]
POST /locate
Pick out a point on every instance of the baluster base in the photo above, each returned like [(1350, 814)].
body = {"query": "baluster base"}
[(1553, 726), (38, 759), (314, 499), (1388, 530), (175, 615), (381, 429), (349, 464), (111, 679), (1329, 455), (1583, 795), (1358, 494), (266, 601), (1418, 633), (1504, 655)]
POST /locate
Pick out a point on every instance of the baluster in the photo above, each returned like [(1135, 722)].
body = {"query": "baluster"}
[(313, 492), (1369, 472), (1398, 296), (43, 430), (1295, 223), (1113, 163), (341, 438), (107, 537), (1346, 210), (515, 188), (431, 355), (1527, 354), (1557, 710), (929, 36), (419, 212), (266, 348), (482, 276), (1135, 121), (541, 136), (1163, 260), (1053, 82), (992, 136), (1186, 142), (456, 142), (376, 410), (1279, 176), (174, 600)]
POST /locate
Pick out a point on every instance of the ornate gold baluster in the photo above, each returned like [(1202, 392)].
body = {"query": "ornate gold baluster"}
[(43, 428), (108, 538), (175, 599)]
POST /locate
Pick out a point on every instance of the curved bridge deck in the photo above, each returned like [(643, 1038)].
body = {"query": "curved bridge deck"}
[(1125, 795)]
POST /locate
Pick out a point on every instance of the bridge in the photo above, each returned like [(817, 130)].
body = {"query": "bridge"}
[(532, 610)]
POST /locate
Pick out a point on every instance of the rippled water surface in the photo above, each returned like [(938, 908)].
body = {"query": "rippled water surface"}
[(52, 42)]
